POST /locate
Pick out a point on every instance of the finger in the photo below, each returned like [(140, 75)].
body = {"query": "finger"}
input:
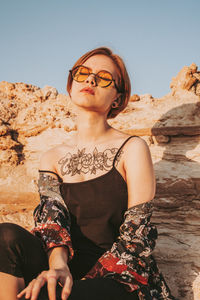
[(51, 286), (29, 290), (38, 284), (21, 293), (26, 290), (67, 288)]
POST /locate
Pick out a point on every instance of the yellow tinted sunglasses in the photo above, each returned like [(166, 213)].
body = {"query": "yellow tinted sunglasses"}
[(102, 78)]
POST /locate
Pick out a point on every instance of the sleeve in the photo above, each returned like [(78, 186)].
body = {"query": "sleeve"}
[(51, 216), (127, 260), (130, 260)]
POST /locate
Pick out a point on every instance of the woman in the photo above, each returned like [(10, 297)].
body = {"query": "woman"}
[(93, 221)]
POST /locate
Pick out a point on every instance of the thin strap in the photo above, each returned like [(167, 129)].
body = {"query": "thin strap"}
[(116, 155), (59, 178)]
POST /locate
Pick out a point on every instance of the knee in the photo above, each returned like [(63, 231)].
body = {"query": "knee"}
[(9, 233)]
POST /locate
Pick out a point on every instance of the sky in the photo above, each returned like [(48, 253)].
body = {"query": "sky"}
[(40, 40)]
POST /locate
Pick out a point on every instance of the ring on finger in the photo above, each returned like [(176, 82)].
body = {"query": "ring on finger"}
[(51, 276)]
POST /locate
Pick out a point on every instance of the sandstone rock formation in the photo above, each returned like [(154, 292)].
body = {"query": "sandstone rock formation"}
[(187, 79), (33, 120)]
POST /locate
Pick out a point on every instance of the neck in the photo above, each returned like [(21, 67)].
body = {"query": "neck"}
[(91, 128)]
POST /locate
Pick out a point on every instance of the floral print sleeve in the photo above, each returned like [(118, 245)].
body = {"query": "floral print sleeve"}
[(51, 216), (130, 259)]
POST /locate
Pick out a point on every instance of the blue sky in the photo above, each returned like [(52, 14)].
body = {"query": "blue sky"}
[(42, 39)]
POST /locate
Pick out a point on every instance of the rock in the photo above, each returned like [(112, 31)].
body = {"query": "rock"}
[(134, 97), (186, 78), (7, 87), (197, 89), (197, 76), (159, 139), (49, 92), (170, 115), (193, 68), (146, 97), (3, 130)]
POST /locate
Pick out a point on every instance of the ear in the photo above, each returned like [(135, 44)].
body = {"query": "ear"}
[(116, 103)]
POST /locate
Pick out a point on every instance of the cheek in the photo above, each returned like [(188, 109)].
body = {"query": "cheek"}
[(108, 98), (75, 88), (112, 95), (108, 93)]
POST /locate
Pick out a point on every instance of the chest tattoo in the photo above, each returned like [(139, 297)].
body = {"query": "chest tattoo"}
[(83, 163)]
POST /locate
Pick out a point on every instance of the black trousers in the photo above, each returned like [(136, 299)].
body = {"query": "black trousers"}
[(22, 255)]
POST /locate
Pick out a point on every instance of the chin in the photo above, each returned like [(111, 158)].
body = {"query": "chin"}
[(85, 101), (87, 106)]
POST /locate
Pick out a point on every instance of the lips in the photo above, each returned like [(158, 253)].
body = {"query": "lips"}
[(87, 90)]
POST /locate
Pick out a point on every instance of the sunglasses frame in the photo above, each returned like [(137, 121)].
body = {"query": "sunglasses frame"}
[(96, 76)]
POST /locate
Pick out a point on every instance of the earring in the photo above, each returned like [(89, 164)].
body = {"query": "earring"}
[(114, 104)]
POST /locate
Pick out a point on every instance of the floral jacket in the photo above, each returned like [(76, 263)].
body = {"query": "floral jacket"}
[(130, 259)]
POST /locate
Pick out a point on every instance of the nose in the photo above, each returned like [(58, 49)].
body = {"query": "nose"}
[(91, 80)]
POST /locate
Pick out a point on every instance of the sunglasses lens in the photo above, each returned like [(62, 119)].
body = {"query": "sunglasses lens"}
[(104, 78), (80, 74)]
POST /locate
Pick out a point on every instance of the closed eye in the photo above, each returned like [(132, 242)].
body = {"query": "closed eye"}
[(106, 79)]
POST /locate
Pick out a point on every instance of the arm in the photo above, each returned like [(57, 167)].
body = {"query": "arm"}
[(51, 216), (139, 171)]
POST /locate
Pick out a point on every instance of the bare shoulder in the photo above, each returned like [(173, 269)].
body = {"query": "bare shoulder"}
[(136, 145), (137, 140), (136, 152)]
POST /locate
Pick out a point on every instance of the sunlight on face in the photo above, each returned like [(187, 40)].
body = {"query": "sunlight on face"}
[(88, 94)]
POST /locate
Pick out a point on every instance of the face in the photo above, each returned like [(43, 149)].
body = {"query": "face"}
[(88, 94)]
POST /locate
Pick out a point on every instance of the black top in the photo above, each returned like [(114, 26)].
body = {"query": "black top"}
[(96, 208)]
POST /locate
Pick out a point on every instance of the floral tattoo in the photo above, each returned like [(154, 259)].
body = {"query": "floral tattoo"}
[(88, 162)]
